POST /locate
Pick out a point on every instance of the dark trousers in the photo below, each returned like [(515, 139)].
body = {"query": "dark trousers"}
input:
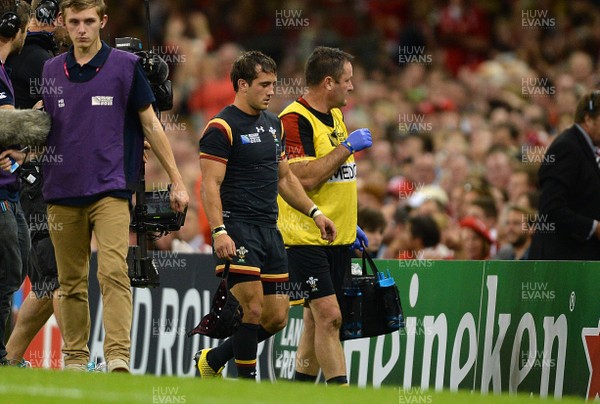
[(14, 250)]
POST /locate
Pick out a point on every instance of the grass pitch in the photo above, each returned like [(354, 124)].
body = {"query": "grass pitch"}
[(51, 386)]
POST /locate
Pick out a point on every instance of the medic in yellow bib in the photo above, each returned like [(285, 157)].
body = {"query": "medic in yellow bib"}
[(321, 154)]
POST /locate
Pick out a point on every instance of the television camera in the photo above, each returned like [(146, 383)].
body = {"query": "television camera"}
[(152, 216), (156, 69)]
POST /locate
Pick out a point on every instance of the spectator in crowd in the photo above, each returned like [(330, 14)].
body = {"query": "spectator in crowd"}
[(391, 241), (421, 239), (484, 208), (475, 239), (506, 134), (498, 168), (187, 39), (189, 239), (213, 92), (373, 223), (530, 200), (522, 180), (463, 30), (518, 230)]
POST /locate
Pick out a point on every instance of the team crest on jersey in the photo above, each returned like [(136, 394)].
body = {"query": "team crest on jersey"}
[(241, 253), (312, 282)]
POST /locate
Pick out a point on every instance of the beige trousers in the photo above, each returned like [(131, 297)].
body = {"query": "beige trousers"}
[(71, 230)]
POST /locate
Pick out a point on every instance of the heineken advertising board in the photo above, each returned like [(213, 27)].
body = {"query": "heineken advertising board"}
[(494, 326), (484, 326)]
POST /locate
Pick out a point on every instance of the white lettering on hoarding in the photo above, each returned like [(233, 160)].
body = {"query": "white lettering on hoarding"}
[(491, 355), (439, 329), (381, 370), (362, 347), (142, 299), (166, 340), (458, 373), (554, 330), (517, 374), (191, 303)]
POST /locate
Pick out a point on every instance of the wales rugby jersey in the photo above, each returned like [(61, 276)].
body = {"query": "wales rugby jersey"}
[(310, 135), (251, 146)]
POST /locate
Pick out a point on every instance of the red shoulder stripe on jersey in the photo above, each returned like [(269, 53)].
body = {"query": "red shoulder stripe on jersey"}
[(214, 158), (223, 126)]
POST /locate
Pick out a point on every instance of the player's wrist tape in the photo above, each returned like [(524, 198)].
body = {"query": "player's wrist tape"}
[(217, 234), (348, 146), (314, 212), (217, 231)]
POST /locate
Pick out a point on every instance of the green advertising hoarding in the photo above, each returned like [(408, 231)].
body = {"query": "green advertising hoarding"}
[(494, 326)]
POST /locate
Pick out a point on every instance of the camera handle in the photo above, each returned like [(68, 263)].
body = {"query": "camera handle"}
[(141, 269)]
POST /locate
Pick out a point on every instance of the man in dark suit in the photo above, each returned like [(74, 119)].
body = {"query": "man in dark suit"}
[(567, 224)]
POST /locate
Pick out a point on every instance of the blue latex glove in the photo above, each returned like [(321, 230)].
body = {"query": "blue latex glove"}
[(361, 240), (358, 140)]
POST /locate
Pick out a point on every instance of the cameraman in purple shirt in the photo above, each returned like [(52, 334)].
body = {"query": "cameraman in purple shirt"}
[(99, 121)]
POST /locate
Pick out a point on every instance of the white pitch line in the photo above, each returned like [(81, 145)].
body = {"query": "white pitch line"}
[(107, 396), (41, 391)]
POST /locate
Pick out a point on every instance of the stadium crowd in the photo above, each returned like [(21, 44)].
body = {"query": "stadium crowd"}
[(462, 98)]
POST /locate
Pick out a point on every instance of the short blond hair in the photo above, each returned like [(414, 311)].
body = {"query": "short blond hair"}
[(80, 5)]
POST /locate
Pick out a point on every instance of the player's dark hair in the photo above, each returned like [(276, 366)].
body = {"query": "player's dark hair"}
[(325, 62), (248, 65)]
